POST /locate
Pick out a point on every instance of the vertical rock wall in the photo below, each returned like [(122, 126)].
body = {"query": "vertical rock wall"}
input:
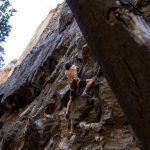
[(34, 96)]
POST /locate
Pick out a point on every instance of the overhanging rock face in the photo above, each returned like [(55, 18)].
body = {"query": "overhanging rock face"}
[(118, 33), (33, 98)]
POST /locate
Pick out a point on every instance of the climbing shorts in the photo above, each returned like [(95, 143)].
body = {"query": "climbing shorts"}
[(76, 86)]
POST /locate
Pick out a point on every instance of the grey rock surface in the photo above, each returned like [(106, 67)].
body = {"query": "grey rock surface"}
[(34, 96)]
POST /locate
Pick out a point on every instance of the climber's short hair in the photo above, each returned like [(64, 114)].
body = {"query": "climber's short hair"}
[(68, 65)]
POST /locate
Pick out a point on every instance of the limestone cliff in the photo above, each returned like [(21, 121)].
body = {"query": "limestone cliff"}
[(34, 96)]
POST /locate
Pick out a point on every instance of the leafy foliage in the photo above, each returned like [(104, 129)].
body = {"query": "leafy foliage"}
[(1, 56), (11, 64), (6, 11)]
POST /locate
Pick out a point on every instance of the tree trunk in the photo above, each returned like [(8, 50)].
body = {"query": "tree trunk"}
[(119, 37)]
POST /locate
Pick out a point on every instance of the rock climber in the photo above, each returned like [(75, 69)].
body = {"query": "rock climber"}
[(75, 83)]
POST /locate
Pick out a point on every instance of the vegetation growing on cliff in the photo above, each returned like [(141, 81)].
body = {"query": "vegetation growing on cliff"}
[(6, 11)]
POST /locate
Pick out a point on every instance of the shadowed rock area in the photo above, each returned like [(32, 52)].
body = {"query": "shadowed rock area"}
[(34, 97)]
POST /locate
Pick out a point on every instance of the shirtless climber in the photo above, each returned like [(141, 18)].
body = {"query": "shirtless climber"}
[(75, 84)]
